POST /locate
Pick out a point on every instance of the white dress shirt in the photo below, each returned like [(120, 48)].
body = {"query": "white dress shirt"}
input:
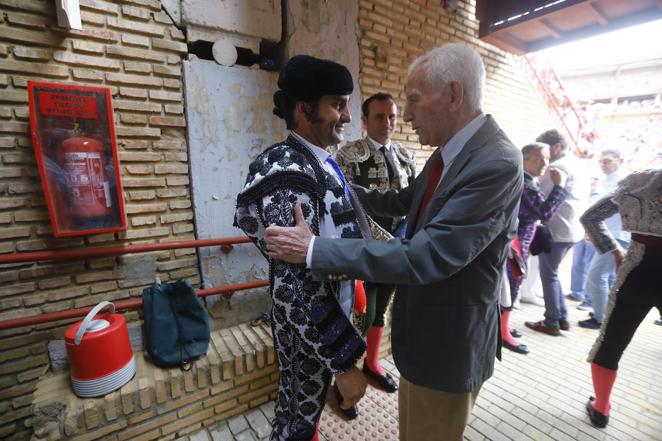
[(454, 146), (327, 228)]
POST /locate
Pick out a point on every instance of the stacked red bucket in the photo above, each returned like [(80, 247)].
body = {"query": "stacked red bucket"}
[(99, 350)]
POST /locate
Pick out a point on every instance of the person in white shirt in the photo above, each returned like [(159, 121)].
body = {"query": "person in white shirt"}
[(602, 270), (565, 228)]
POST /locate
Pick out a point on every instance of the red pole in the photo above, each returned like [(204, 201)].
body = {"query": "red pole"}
[(86, 252), (126, 305)]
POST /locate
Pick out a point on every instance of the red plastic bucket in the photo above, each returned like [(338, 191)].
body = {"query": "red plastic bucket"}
[(99, 350)]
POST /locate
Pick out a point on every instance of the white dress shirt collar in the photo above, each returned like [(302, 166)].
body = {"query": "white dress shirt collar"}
[(455, 145), (377, 145), (321, 153)]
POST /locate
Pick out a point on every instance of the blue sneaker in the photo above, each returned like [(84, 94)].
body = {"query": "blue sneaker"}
[(585, 306)]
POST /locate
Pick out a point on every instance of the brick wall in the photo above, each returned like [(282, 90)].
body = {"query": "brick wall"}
[(237, 374), (395, 32), (133, 48)]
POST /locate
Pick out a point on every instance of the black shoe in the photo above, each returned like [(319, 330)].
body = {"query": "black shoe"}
[(598, 419), (564, 325), (350, 413), (385, 381), (520, 348), (590, 323), (515, 333)]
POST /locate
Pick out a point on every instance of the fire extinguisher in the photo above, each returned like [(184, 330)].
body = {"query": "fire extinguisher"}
[(84, 165)]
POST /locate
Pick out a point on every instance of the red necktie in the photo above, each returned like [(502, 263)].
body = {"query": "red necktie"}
[(436, 168)]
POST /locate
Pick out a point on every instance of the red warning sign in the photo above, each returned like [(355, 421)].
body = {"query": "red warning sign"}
[(67, 105)]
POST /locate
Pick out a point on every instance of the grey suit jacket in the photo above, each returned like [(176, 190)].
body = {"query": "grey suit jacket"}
[(445, 330)]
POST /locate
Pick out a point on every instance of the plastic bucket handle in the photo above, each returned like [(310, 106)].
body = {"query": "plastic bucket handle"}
[(88, 319)]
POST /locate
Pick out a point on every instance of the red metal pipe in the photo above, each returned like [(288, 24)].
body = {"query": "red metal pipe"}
[(86, 252), (124, 305)]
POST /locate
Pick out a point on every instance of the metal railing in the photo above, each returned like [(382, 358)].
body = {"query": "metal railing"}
[(226, 244), (573, 121)]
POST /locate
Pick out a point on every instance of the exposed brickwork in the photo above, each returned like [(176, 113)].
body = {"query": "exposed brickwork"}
[(395, 32), (159, 402), (133, 48)]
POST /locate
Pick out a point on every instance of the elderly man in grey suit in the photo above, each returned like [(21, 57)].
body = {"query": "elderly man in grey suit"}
[(448, 269)]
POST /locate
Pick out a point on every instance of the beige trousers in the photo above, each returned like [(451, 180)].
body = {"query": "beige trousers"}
[(432, 415)]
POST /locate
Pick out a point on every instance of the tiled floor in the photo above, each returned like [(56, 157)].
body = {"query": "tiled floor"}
[(539, 396)]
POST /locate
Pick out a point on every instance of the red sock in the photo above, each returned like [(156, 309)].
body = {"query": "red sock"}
[(603, 381), (317, 432), (372, 354), (505, 330)]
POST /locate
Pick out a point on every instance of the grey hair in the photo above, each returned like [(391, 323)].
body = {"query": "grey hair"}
[(455, 62), (616, 153), (534, 146)]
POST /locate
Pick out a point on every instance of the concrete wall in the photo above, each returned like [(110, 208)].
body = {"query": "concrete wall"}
[(229, 112), (255, 18), (230, 121), (328, 30)]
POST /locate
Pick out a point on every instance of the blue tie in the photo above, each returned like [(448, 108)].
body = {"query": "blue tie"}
[(336, 167)]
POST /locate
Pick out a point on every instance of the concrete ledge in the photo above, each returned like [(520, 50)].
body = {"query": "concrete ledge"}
[(237, 374)]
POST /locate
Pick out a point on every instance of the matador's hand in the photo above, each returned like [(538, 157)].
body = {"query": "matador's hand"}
[(352, 385), (289, 243)]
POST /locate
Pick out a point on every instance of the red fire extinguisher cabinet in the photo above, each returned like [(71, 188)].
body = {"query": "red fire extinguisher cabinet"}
[(74, 141)]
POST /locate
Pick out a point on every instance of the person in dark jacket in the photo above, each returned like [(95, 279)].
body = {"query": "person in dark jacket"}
[(533, 208), (462, 216)]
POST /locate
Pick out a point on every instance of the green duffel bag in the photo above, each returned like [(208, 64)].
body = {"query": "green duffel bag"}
[(176, 324)]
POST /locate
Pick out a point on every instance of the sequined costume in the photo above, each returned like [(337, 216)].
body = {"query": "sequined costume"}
[(638, 199), (313, 335)]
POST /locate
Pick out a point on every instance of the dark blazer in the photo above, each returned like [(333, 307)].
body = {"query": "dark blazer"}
[(445, 330)]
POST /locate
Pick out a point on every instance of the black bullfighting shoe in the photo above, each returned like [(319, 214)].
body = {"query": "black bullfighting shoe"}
[(385, 381), (598, 419), (350, 413)]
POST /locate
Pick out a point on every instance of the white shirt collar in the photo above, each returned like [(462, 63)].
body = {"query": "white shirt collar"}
[(377, 145), (454, 146), (321, 153)]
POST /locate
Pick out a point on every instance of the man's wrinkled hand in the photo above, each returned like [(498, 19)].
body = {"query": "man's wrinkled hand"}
[(289, 243), (352, 385)]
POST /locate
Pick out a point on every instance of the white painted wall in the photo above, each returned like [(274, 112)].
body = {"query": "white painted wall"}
[(328, 30), (253, 18), (230, 121)]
